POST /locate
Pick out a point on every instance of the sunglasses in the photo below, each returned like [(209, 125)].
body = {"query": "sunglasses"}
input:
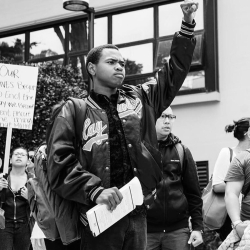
[(31, 158)]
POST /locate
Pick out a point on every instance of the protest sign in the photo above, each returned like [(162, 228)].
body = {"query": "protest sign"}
[(17, 99)]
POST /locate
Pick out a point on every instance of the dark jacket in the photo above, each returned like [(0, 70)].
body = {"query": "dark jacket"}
[(15, 206), (73, 179), (178, 195)]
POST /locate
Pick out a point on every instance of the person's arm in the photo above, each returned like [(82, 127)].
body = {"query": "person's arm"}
[(66, 175), (232, 194), (171, 76), (3, 183), (220, 170), (192, 192), (219, 188), (235, 179)]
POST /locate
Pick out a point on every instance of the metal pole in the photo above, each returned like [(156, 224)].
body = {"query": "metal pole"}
[(91, 17)]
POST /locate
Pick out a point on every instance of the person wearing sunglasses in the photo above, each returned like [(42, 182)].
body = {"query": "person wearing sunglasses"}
[(178, 195), (18, 224), (30, 165)]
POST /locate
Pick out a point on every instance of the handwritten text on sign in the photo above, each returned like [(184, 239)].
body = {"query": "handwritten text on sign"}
[(17, 95)]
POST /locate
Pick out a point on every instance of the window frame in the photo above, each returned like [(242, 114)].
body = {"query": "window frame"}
[(210, 43)]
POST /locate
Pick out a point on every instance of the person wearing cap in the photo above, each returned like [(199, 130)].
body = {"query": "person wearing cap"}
[(178, 195)]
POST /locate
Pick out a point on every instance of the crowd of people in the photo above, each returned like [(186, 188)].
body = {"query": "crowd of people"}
[(127, 133)]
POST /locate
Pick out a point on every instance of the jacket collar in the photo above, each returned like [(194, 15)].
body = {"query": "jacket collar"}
[(94, 99), (171, 140)]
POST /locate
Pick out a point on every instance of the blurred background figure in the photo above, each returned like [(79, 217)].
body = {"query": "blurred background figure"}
[(17, 232), (30, 165)]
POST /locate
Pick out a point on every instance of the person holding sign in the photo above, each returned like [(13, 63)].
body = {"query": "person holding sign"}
[(118, 139), (16, 234)]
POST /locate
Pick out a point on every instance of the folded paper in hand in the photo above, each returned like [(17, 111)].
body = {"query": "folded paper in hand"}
[(100, 218)]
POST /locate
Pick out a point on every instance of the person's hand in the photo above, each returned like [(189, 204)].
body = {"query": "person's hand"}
[(195, 238), (3, 183), (111, 197), (24, 193), (189, 9), (240, 229)]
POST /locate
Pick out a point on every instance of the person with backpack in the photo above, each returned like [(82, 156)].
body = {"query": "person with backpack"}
[(239, 129), (178, 195), (13, 187), (56, 227), (118, 140)]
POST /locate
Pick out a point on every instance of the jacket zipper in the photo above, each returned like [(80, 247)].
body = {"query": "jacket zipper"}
[(164, 204), (14, 201), (14, 207)]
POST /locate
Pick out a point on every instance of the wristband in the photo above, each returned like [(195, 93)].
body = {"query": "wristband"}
[(235, 223)]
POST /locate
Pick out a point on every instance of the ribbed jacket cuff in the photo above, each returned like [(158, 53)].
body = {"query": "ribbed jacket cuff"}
[(83, 219), (187, 29), (95, 192)]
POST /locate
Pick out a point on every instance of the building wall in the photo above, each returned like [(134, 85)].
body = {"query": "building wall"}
[(199, 125)]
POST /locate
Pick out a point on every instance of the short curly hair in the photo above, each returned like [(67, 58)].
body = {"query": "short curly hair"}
[(95, 54)]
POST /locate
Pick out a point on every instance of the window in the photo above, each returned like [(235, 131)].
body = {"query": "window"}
[(195, 79), (139, 58), (143, 32), (100, 31), (78, 36), (132, 26), (47, 42), (79, 62), (12, 48), (202, 171), (171, 14)]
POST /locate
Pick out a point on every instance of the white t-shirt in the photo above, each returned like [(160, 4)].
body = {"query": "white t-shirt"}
[(221, 166)]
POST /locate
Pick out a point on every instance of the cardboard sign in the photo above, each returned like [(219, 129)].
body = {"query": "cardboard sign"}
[(17, 95)]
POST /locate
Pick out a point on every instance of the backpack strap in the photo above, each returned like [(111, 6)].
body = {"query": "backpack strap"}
[(180, 151), (80, 113)]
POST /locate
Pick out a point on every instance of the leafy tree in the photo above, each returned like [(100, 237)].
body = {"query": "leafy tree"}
[(55, 83), (132, 68), (14, 53)]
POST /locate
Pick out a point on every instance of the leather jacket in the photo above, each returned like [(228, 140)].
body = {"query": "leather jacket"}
[(178, 194), (74, 177)]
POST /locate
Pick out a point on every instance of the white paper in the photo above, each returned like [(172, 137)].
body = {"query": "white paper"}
[(100, 218)]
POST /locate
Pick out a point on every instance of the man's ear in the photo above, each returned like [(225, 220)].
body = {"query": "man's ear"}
[(91, 68)]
